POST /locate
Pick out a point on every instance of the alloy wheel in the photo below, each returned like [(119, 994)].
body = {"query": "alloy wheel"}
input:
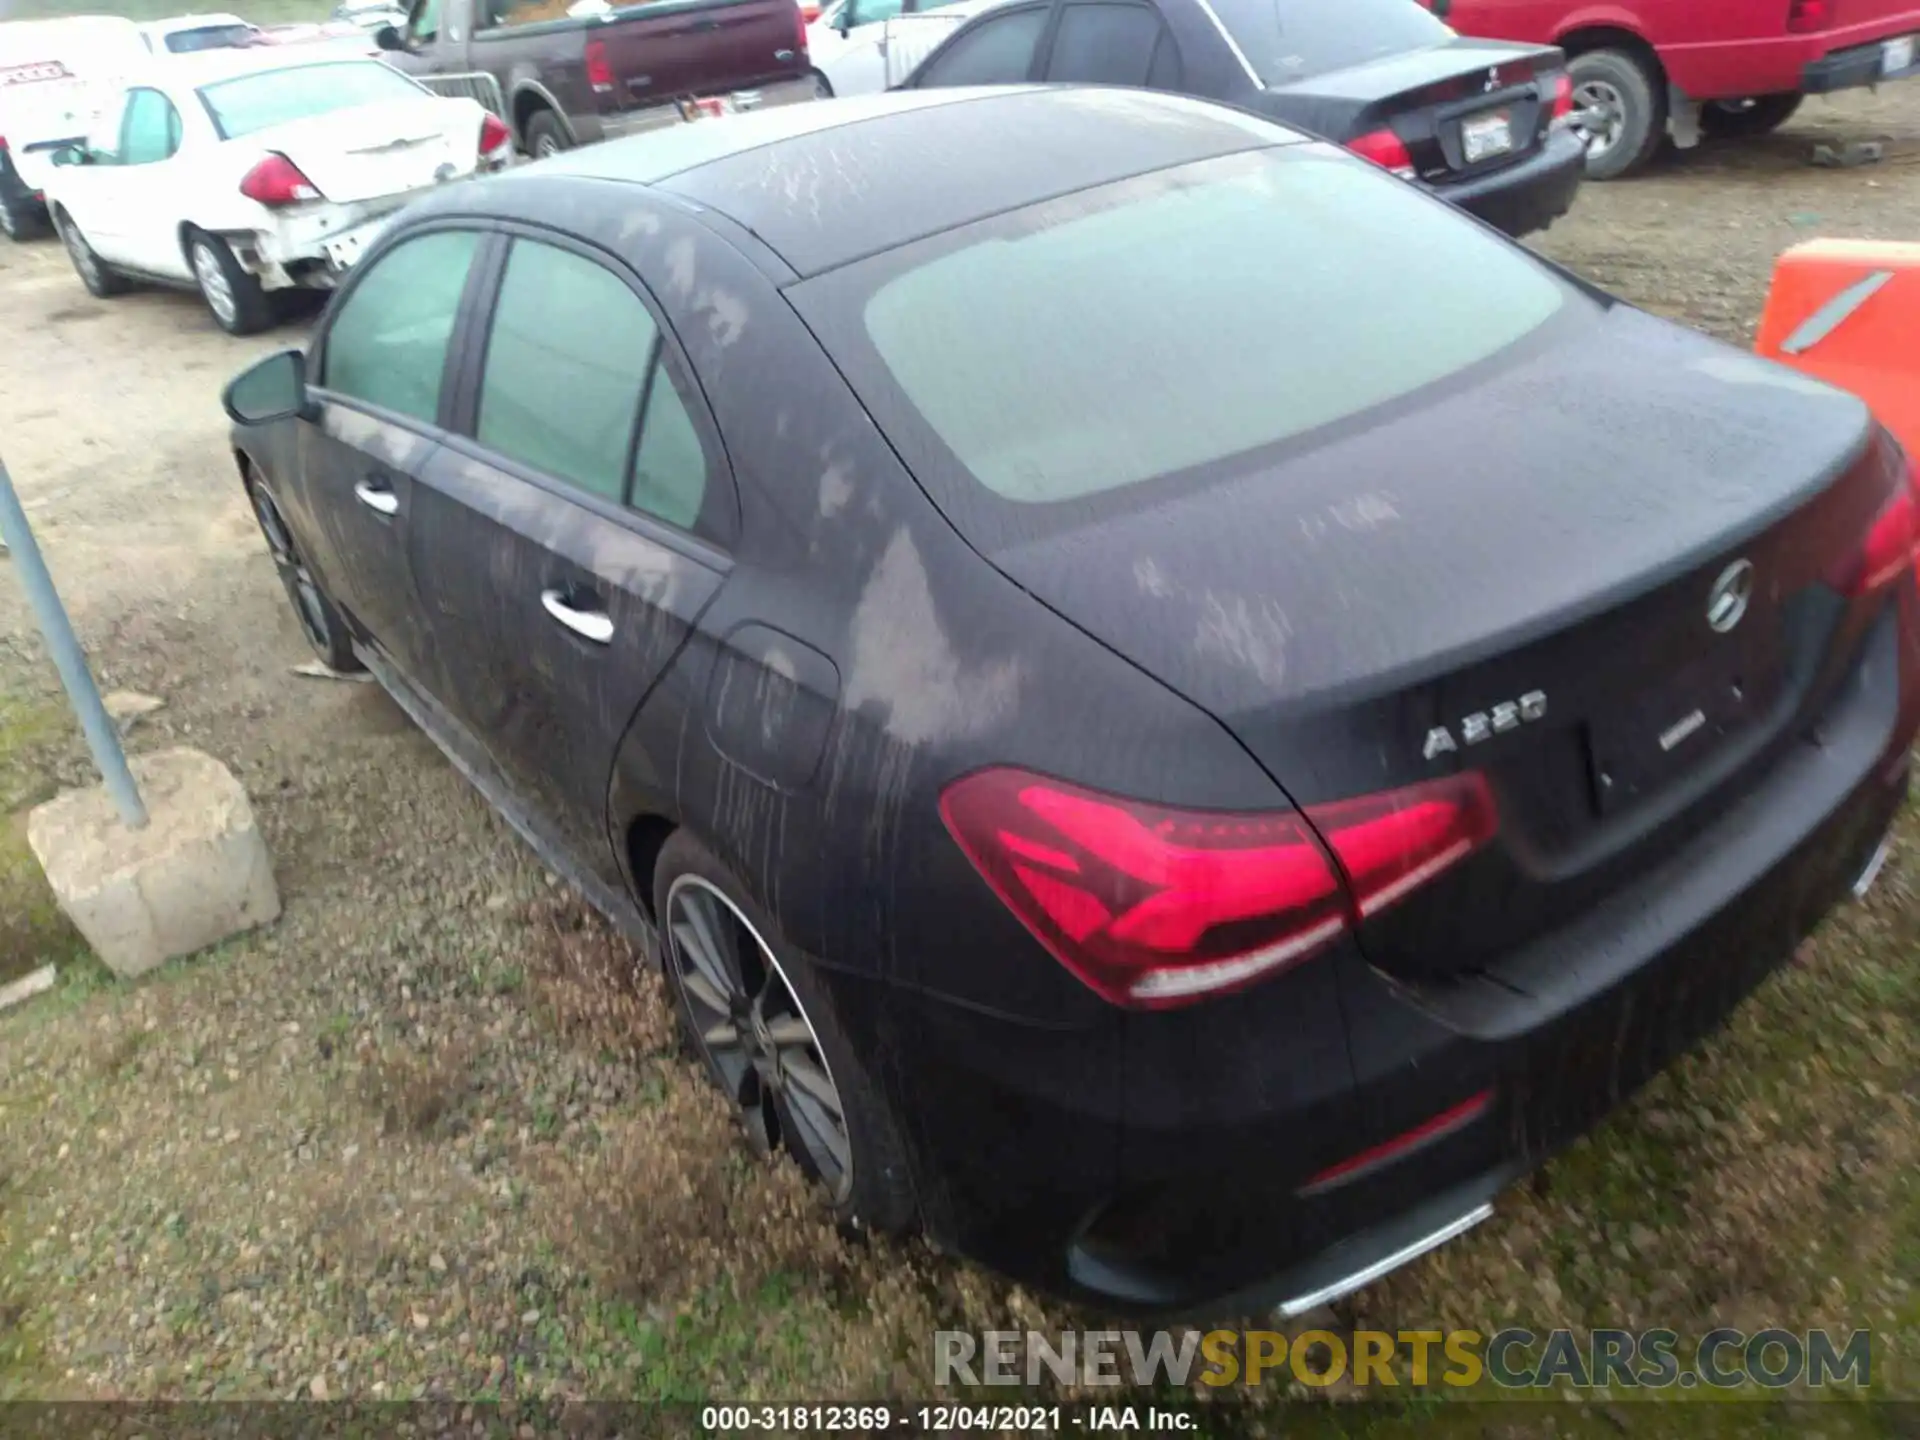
[(1599, 115), (213, 283), (755, 1034), (545, 147), (293, 572)]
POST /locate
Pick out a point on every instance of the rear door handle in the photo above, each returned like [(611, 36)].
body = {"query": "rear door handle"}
[(377, 495), (594, 625)]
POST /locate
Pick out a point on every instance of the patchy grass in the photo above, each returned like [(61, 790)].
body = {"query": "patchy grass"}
[(33, 932)]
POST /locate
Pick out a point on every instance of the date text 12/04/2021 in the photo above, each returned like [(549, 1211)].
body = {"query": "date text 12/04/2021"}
[(942, 1419)]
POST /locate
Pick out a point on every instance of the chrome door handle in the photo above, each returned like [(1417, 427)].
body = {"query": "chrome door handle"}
[(375, 498), (594, 625)]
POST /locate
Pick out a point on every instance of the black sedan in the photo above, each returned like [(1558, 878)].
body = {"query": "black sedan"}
[(1483, 123), (1182, 712)]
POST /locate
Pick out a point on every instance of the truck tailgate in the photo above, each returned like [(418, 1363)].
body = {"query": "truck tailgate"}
[(671, 49)]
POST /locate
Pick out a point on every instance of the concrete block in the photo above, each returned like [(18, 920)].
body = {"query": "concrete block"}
[(197, 874)]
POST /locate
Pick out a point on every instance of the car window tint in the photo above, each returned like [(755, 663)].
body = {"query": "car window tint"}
[(1104, 45), (388, 343), (1187, 317), (275, 97), (1287, 40), (566, 364), (424, 24), (209, 37), (670, 466), (150, 131), (875, 12), (998, 52)]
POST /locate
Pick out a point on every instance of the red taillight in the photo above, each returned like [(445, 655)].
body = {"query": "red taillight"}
[(1892, 543), (276, 180), (1154, 907), (495, 135), (1385, 149), (599, 72), (1804, 16), (1562, 96)]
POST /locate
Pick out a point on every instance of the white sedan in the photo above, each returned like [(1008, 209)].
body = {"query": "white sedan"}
[(864, 46), (244, 173)]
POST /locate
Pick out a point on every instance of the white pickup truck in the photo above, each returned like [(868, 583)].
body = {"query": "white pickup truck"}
[(56, 79)]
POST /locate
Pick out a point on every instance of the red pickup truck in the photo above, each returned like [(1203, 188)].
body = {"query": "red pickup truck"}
[(1646, 69)]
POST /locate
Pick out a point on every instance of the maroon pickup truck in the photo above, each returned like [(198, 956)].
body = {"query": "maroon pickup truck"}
[(569, 72)]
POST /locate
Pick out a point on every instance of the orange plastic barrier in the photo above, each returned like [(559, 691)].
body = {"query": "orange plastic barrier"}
[(1848, 312)]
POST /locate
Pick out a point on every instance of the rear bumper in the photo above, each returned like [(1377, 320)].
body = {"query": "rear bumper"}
[(1222, 1204), (1854, 67), (754, 97), (1528, 195)]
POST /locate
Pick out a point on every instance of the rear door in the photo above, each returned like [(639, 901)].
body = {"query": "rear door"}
[(1113, 42), (147, 186), (566, 541), (381, 376)]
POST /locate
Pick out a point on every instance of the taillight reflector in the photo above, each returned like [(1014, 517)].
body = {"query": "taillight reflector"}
[(1562, 96), (1387, 150), (599, 71), (277, 181), (1804, 16), (1892, 543), (1445, 1123), (1153, 907), (495, 136)]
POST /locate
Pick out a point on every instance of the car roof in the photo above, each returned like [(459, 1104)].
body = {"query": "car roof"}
[(207, 67), (825, 183)]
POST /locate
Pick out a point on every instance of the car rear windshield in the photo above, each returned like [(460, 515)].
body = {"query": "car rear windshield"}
[(276, 97), (1170, 322), (1288, 40), (209, 37)]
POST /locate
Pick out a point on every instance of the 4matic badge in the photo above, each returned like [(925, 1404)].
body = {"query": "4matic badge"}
[(1485, 724)]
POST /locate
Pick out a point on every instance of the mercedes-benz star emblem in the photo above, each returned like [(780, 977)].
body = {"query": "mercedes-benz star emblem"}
[(1727, 601)]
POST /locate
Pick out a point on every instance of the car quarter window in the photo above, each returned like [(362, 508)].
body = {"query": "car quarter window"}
[(572, 361), (1104, 44), (149, 129), (387, 345), (998, 51)]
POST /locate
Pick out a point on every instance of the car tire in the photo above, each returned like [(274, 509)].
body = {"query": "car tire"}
[(1626, 96), (780, 1023), (546, 135), (319, 617), (21, 219), (101, 279), (1743, 119), (237, 301), (822, 86)]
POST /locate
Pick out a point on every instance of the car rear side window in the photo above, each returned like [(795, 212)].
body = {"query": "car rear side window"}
[(149, 130), (387, 345), (1175, 320), (998, 51), (250, 103), (1287, 40), (572, 363), (1104, 44)]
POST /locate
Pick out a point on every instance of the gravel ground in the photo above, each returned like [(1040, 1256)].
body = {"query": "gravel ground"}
[(428, 1135)]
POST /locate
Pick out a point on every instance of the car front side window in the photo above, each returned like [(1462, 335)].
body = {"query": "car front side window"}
[(387, 345)]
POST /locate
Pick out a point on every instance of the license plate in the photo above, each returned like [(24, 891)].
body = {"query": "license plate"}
[(1485, 136), (1898, 55), (346, 248)]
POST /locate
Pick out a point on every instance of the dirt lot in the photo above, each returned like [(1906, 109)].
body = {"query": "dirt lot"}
[(426, 1136)]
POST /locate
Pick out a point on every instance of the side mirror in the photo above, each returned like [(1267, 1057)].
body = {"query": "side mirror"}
[(388, 37), (69, 155), (847, 18), (274, 389)]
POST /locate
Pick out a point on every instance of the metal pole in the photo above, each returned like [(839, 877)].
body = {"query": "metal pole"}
[(102, 738)]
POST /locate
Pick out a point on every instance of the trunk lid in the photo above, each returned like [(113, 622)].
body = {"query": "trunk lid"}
[(684, 48), (1463, 109), (1517, 577), (372, 151)]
